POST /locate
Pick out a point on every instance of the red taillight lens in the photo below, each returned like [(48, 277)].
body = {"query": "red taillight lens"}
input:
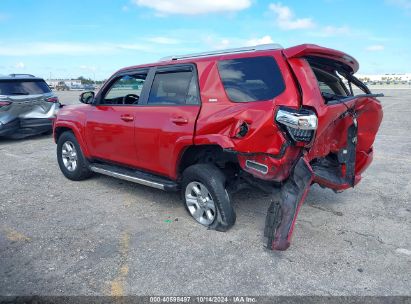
[(4, 103), (52, 99)]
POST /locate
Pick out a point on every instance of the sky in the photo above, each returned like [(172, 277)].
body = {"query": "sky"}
[(94, 38)]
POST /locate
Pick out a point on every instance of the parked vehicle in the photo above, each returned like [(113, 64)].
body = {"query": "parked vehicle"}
[(62, 86), (210, 124), (76, 87), (27, 106), (89, 87)]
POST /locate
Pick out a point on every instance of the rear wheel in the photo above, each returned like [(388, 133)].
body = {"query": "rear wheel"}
[(71, 159), (205, 197)]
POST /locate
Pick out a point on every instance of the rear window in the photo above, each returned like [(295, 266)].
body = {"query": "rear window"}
[(23, 87), (174, 88), (251, 79)]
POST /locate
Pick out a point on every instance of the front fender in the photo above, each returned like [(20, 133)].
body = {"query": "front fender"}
[(76, 128)]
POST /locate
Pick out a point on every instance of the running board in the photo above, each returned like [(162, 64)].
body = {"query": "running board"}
[(135, 176)]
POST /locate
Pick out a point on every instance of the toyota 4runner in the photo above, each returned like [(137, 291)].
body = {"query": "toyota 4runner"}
[(210, 124)]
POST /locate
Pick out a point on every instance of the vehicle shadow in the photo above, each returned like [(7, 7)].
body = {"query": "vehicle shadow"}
[(247, 202), (10, 140)]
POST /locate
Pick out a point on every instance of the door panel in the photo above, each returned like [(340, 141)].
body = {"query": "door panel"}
[(110, 124), (165, 123), (160, 133), (110, 136)]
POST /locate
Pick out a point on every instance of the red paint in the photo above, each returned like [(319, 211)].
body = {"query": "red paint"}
[(153, 138), (316, 50)]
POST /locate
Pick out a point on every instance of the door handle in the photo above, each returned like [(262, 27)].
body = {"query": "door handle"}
[(179, 120), (127, 117)]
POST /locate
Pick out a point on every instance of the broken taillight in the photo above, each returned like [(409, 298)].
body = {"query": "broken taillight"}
[(4, 103), (300, 124)]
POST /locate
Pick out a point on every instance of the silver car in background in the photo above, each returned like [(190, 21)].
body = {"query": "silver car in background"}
[(27, 106)]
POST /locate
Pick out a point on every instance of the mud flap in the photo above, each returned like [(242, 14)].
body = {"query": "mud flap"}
[(285, 206)]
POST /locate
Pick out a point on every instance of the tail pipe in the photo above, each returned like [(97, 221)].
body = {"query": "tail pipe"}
[(285, 205)]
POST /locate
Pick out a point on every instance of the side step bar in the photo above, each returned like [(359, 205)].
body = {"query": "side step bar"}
[(135, 176)]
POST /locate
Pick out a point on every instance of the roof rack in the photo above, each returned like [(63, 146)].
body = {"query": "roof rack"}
[(261, 47), (21, 75)]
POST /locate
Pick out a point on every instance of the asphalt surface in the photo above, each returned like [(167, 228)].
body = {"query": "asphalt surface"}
[(105, 236)]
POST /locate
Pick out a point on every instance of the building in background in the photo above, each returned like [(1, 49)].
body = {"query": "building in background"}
[(385, 78), (69, 82)]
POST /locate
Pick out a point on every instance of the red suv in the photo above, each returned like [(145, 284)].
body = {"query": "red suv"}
[(210, 124)]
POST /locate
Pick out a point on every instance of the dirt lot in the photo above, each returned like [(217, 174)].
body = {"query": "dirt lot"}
[(109, 237)]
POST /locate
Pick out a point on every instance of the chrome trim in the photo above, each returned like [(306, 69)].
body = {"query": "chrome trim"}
[(297, 120), (261, 47), (128, 178), (256, 166)]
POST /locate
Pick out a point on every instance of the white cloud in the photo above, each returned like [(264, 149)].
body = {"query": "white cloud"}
[(88, 68), (256, 41), (163, 40), (47, 48), (404, 4), (67, 48), (331, 31), (218, 43), (224, 43), (3, 17), (20, 65), (375, 48), (286, 19), (194, 7)]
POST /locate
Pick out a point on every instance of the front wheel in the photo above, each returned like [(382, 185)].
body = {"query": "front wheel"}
[(71, 159), (205, 197)]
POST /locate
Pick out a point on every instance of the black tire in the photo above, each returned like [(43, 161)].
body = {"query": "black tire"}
[(82, 170), (214, 180)]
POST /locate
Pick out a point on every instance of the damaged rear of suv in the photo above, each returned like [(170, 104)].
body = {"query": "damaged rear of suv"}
[(213, 123), (27, 106)]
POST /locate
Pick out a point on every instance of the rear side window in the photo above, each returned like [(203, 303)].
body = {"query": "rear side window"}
[(251, 79), (23, 87), (174, 88)]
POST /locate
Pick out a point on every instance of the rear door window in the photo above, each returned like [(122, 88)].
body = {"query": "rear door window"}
[(23, 87), (176, 87), (251, 79)]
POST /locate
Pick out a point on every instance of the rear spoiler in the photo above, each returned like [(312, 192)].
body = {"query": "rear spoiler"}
[(314, 50)]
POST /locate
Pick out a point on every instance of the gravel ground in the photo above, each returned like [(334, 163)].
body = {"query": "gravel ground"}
[(105, 236)]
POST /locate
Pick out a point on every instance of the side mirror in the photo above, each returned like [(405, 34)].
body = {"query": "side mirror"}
[(87, 97)]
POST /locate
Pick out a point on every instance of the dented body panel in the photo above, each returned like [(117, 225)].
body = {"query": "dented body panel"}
[(319, 137)]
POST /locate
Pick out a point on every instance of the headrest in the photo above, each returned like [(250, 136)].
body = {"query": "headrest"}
[(177, 86)]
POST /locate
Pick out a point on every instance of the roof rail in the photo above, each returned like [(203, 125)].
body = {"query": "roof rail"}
[(261, 47), (21, 75)]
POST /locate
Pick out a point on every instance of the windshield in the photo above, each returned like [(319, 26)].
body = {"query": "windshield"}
[(23, 87)]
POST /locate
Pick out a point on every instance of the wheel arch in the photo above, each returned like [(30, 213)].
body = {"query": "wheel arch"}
[(61, 128), (210, 153)]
